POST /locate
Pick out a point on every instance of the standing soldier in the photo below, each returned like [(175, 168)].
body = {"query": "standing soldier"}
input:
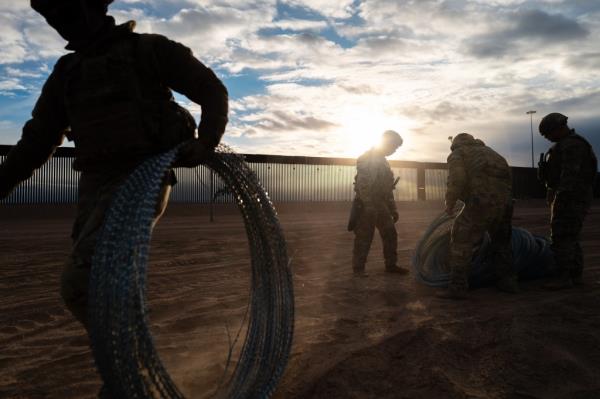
[(111, 95), (569, 170), (374, 205), (481, 178)]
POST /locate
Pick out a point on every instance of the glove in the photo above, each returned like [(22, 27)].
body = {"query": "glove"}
[(194, 152)]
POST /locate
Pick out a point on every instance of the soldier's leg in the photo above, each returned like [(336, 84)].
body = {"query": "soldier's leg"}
[(75, 276), (563, 248), (95, 196), (566, 223), (577, 270), (466, 233), (363, 236), (501, 250), (577, 267), (389, 238)]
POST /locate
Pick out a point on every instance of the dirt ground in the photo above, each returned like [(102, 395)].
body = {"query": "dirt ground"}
[(381, 337)]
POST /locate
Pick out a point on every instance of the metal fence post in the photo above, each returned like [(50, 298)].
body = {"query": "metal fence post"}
[(421, 194)]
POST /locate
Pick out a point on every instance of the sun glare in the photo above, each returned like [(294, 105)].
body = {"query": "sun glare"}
[(362, 130)]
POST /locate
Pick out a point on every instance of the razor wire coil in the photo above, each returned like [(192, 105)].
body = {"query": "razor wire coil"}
[(532, 256), (122, 343)]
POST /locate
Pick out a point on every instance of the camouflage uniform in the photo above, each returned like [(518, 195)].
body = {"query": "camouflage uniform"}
[(569, 174), (113, 99), (481, 178), (373, 185)]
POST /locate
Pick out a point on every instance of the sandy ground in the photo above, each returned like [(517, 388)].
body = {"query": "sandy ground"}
[(380, 337)]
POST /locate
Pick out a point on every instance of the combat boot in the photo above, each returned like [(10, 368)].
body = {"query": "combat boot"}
[(562, 281), (452, 293), (396, 269), (508, 284)]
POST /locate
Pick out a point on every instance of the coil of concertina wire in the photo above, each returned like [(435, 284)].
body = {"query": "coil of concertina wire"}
[(532, 257), (122, 343)]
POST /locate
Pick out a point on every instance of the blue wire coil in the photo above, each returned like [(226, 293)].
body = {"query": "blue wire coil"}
[(532, 256)]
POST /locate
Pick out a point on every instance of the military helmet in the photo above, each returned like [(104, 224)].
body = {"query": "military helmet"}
[(50, 7), (461, 139), (75, 20), (551, 122), (391, 137)]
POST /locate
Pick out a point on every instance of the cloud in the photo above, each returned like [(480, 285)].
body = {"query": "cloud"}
[(327, 8), (214, 30), (300, 24), (22, 73), (523, 26), (585, 61), (13, 46), (445, 111), (588, 127), (10, 85), (283, 122), (324, 77), (24, 36), (583, 104)]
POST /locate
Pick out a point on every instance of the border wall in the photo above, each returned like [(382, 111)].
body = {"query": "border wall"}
[(286, 179)]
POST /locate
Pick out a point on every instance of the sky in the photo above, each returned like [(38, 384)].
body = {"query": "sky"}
[(327, 77)]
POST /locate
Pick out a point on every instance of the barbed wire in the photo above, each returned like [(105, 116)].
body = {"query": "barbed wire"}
[(122, 343)]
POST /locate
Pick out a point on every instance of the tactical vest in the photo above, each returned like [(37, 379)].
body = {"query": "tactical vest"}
[(119, 110), (553, 161)]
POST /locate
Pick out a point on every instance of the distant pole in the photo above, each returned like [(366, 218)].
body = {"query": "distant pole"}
[(530, 113)]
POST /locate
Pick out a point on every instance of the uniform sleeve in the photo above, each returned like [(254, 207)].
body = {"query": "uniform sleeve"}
[(573, 154), (366, 175), (40, 137), (388, 188), (391, 203), (182, 72), (457, 178)]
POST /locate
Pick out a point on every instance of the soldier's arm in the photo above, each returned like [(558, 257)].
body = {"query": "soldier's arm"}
[(40, 137), (184, 73), (391, 206), (391, 202), (457, 179), (573, 154)]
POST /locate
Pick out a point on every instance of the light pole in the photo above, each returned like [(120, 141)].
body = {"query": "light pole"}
[(530, 113)]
